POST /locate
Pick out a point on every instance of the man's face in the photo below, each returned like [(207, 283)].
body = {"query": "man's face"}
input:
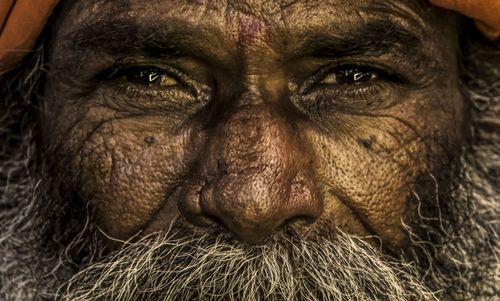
[(251, 150), (254, 116)]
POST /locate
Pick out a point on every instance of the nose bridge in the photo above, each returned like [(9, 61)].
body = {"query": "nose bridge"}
[(248, 152), (251, 137), (253, 169)]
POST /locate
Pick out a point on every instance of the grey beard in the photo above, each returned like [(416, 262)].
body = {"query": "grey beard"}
[(47, 252), (163, 267)]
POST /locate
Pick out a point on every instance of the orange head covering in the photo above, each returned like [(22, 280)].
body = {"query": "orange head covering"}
[(21, 22), (486, 13)]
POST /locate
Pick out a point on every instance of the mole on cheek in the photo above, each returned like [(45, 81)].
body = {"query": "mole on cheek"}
[(150, 140), (367, 142)]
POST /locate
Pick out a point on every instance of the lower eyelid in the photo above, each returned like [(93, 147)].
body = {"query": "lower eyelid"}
[(363, 90), (367, 92), (137, 92), (373, 96), (172, 102)]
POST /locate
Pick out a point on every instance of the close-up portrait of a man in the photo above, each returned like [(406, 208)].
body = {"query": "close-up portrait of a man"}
[(249, 150)]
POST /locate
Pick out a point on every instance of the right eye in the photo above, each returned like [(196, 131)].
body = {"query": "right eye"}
[(151, 77)]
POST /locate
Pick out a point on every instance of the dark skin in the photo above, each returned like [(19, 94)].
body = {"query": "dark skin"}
[(252, 115)]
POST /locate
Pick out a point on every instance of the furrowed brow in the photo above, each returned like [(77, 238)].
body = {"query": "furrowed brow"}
[(374, 39)]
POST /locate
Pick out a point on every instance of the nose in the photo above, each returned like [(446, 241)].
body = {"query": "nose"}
[(256, 176)]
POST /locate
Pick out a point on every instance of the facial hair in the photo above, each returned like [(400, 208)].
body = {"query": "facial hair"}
[(207, 267)]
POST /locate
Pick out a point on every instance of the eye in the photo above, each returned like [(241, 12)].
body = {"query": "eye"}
[(151, 77), (350, 75), (165, 89)]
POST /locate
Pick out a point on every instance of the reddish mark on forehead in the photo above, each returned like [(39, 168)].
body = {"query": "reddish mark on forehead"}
[(246, 29)]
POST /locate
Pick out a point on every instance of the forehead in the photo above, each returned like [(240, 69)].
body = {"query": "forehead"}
[(272, 15)]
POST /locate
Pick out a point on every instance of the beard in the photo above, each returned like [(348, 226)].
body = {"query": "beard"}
[(213, 267), (50, 248)]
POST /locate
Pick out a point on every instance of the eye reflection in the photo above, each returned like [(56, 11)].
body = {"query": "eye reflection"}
[(150, 77), (350, 75)]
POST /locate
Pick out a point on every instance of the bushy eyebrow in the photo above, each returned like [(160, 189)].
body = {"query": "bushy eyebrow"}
[(125, 37), (177, 37), (373, 38)]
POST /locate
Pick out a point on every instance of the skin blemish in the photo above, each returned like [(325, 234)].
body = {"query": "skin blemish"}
[(367, 142), (247, 29), (150, 140)]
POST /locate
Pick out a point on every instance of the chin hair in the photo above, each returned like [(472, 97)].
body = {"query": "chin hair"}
[(46, 237)]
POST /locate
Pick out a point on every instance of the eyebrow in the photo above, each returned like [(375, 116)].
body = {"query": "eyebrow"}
[(373, 38), (126, 38)]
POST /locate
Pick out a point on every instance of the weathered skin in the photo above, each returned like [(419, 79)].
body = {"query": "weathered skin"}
[(242, 131)]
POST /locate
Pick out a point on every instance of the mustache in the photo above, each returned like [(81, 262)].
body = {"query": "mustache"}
[(164, 266)]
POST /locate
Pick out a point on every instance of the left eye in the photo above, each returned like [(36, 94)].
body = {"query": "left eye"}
[(350, 75), (151, 77)]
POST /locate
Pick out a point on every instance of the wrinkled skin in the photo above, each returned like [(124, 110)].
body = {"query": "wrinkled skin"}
[(80, 127), (249, 125)]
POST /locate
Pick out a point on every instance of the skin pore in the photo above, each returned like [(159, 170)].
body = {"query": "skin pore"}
[(250, 150), (252, 115)]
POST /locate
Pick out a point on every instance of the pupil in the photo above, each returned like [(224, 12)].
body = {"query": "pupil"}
[(144, 77), (353, 76)]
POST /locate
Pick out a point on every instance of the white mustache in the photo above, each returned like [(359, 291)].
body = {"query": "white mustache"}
[(209, 268)]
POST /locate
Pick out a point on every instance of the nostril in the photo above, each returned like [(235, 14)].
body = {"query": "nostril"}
[(300, 221), (218, 223), (189, 205)]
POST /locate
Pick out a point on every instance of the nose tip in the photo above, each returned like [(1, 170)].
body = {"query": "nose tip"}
[(254, 208)]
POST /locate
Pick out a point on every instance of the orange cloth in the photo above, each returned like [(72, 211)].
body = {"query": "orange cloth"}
[(21, 22), (486, 13)]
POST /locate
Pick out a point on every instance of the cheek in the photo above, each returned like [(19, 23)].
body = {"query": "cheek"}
[(373, 184), (372, 168), (129, 167)]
